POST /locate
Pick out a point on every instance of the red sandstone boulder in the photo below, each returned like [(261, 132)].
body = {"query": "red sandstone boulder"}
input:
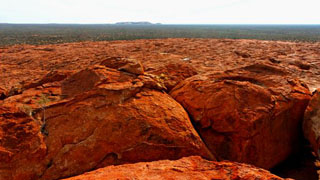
[(112, 118), (133, 66), (192, 167), (22, 146), (311, 122), (172, 72), (89, 78), (51, 77), (31, 98), (168, 73), (252, 114), (29, 95)]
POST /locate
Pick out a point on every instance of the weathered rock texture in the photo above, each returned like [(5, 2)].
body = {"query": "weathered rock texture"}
[(252, 114), (311, 123), (27, 62), (105, 117), (171, 73), (30, 97), (187, 168), (22, 146), (133, 66), (31, 75)]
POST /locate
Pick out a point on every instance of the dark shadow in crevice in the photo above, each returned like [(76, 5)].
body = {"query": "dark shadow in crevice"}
[(299, 165)]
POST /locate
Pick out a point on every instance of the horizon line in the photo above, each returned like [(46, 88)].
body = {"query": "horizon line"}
[(157, 23)]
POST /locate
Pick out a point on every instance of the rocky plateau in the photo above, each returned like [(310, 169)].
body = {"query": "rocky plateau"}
[(159, 109)]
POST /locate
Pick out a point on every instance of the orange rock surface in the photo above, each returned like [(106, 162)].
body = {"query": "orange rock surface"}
[(104, 117), (69, 108), (27, 96), (133, 66), (188, 168), (27, 62), (251, 115), (21, 146), (172, 72), (311, 123)]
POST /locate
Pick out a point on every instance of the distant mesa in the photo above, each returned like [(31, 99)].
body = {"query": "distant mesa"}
[(136, 23)]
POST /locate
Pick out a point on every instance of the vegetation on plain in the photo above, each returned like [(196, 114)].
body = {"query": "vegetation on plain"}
[(11, 34)]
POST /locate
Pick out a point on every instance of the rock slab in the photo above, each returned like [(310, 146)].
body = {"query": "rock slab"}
[(251, 114), (187, 168)]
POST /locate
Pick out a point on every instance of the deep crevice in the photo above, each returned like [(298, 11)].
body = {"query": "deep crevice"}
[(300, 165)]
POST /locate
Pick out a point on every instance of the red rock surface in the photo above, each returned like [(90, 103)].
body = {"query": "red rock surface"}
[(252, 114), (172, 72), (311, 123), (30, 73), (187, 168), (133, 66), (116, 118), (27, 62), (27, 95), (21, 146)]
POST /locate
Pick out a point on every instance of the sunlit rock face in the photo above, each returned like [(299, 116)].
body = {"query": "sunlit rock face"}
[(105, 117), (251, 114), (192, 167)]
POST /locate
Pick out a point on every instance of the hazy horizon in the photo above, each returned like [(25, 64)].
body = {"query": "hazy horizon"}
[(159, 23), (202, 12)]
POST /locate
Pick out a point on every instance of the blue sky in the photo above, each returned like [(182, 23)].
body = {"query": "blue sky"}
[(164, 11)]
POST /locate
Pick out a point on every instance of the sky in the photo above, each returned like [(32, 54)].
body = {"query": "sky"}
[(161, 11)]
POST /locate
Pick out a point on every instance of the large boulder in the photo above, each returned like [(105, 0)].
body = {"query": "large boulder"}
[(22, 146), (115, 118), (22, 141), (311, 122), (252, 114), (192, 167)]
